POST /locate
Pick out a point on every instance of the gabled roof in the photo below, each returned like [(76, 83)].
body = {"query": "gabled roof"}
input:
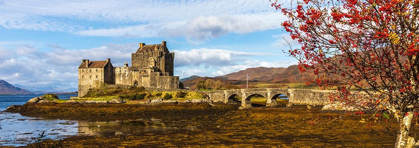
[(93, 64)]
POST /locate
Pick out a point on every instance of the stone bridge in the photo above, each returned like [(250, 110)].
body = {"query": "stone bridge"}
[(295, 96)]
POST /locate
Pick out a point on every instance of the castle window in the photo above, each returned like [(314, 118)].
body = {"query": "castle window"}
[(96, 70), (90, 76), (90, 70), (96, 76)]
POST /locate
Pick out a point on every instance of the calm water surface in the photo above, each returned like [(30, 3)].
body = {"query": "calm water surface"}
[(17, 130)]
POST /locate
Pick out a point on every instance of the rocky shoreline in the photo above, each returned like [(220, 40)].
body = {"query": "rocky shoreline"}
[(116, 110)]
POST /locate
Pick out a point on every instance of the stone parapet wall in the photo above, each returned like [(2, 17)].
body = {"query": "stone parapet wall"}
[(295, 96), (309, 96)]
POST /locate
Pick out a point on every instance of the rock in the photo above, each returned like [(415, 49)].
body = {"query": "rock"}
[(212, 105), (171, 101), (14, 108), (95, 102), (200, 100), (42, 101), (35, 100), (156, 101), (71, 101), (116, 101)]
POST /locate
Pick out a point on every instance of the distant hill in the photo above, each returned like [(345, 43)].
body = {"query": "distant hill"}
[(272, 75), (259, 74), (8, 89), (189, 78)]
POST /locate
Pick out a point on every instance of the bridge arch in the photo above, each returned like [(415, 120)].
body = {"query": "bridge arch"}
[(235, 97), (278, 99), (247, 102), (255, 95)]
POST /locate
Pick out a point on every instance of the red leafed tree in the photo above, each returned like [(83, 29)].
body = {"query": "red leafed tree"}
[(371, 45)]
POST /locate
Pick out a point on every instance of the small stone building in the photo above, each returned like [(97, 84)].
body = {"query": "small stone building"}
[(152, 67), (94, 73)]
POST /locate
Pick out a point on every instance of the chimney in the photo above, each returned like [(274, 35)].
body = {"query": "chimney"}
[(108, 60), (141, 45), (88, 62), (126, 64), (163, 43)]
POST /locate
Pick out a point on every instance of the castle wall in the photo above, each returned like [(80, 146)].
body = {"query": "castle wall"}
[(167, 82), (109, 74), (123, 76), (88, 77), (163, 59), (145, 81), (169, 63)]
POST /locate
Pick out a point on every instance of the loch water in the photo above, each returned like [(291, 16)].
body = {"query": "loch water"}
[(18, 130)]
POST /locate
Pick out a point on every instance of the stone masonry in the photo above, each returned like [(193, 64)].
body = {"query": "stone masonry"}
[(152, 67)]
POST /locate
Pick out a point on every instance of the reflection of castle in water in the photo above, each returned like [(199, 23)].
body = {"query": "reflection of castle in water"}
[(119, 127)]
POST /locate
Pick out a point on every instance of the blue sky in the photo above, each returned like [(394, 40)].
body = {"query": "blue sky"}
[(42, 42)]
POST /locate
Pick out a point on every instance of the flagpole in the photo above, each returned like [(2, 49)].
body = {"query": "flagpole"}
[(247, 81)]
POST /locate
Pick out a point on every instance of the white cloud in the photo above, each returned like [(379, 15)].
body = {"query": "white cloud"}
[(210, 57), (217, 62), (31, 67), (196, 20)]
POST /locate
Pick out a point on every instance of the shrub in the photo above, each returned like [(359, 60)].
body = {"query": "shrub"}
[(148, 95), (156, 94), (194, 95), (179, 94), (140, 96), (50, 97), (166, 96)]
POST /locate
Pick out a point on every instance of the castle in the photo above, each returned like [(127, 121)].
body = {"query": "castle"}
[(152, 67)]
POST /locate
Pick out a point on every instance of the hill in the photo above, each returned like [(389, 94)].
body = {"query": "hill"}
[(258, 73), (258, 76), (8, 89), (272, 75)]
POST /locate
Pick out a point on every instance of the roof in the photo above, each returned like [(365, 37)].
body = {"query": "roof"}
[(93, 64), (146, 48)]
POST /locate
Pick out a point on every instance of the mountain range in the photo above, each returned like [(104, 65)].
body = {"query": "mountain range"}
[(8, 89)]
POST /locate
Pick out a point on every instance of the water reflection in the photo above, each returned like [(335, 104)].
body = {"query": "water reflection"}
[(17, 130), (120, 127)]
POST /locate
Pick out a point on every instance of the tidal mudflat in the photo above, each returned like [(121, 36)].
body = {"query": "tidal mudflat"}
[(215, 125)]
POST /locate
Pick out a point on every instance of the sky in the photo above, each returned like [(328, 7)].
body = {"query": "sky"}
[(42, 43)]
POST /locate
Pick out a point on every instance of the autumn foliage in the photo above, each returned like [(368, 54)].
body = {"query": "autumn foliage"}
[(371, 45)]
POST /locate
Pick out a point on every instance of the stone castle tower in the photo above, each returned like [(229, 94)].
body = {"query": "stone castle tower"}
[(152, 67)]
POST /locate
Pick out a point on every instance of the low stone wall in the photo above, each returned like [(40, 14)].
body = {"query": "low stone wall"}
[(309, 96), (216, 97)]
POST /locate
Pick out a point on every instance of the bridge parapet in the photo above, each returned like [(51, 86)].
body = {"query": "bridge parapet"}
[(295, 96)]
